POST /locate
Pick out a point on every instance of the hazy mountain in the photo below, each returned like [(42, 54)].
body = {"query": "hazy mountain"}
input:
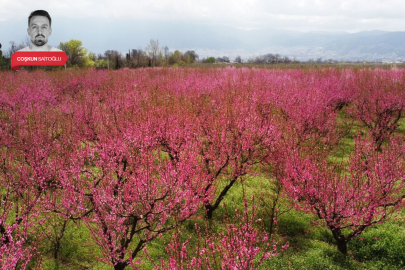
[(212, 40)]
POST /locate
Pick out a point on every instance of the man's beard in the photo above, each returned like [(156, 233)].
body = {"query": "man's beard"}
[(39, 42)]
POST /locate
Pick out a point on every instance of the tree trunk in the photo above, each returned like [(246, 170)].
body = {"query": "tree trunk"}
[(209, 210), (120, 266), (56, 250), (341, 241), (342, 246)]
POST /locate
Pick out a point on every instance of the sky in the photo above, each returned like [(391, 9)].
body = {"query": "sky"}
[(297, 15), (74, 18)]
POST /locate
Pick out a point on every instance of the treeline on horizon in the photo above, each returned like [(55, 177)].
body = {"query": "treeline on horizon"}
[(154, 55)]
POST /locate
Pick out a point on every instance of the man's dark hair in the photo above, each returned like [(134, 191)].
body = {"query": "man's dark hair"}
[(39, 13)]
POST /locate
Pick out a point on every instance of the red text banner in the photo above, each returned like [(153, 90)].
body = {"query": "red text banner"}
[(38, 59)]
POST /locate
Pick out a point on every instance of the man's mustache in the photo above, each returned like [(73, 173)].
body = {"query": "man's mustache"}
[(40, 36)]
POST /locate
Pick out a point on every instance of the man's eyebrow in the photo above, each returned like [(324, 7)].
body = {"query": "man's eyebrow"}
[(45, 24)]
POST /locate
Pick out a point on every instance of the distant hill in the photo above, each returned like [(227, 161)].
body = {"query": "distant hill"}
[(211, 40)]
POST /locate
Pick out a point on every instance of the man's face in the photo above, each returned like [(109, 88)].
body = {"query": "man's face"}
[(39, 30)]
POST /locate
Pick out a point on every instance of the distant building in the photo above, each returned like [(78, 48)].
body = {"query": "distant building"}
[(166, 49)]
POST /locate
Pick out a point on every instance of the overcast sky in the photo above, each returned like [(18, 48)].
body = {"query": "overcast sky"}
[(201, 25), (299, 15)]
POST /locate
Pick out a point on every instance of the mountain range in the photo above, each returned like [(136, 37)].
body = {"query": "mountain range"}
[(212, 40)]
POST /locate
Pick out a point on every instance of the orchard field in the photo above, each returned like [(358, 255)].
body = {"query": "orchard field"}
[(202, 168)]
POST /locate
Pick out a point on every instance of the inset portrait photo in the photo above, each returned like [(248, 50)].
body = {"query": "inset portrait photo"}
[(39, 30)]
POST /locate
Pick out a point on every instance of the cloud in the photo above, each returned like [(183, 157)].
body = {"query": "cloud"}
[(300, 15)]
